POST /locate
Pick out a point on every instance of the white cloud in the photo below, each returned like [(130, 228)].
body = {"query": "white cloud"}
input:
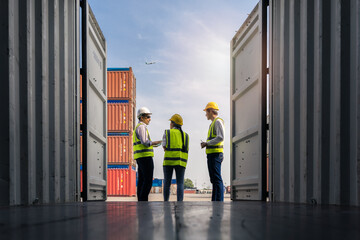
[(189, 40), (196, 72)]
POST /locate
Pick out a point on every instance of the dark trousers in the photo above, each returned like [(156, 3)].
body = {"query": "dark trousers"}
[(168, 171), (214, 161), (145, 177)]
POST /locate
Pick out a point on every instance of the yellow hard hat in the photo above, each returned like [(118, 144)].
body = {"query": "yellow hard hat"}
[(212, 105), (176, 118)]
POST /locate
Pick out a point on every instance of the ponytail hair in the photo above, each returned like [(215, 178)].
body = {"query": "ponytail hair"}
[(182, 136)]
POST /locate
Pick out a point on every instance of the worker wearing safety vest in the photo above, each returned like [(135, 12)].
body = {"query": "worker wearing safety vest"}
[(214, 150), (176, 146), (144, 153)]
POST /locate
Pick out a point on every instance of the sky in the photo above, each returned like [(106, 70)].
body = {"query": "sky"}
[(189, 41)]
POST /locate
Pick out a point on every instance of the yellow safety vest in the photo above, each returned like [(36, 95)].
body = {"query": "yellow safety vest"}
[(140, 150), (219, 147), (175, 154)]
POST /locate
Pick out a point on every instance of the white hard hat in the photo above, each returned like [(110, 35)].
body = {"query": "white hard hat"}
[(143, 110)]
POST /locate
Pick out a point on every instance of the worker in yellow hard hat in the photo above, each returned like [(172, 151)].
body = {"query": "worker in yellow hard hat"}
[(176, 146), (215, 150)]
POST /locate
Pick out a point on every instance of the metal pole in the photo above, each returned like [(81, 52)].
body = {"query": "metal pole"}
[(84, 34)]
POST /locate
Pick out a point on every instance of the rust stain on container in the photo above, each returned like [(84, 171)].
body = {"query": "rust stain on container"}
[(121, 181), (120, 117), (121, 84)]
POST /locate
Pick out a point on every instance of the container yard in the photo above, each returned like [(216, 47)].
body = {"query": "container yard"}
[(120, 124), (121, 85), (67, 119)]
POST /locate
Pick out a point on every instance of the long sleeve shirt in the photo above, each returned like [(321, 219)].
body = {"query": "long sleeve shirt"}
[(142, 135), (219, 131)]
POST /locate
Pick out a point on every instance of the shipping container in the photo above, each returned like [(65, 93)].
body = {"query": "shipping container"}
[(315, 103), (81, 178), (80, 111), (39, 101), (189, 191), (157, 182), (120, 148), (121, 180), (94, 101), (248, 108), (81, 144), (120, 116), (121, 83)]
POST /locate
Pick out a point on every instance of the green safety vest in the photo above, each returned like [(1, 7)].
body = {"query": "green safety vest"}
[(217, 148), (140, 150), (175, 155)]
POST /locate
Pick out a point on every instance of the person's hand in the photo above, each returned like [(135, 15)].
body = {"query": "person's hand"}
[(203, 144), (156, 143)]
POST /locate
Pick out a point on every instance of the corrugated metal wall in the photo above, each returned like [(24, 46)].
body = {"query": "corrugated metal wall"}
[(315, 101), (120, 115), (121, 180), (121, 83), (120, 148), (39, 101)]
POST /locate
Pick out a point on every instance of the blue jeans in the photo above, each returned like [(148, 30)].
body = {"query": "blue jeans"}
[(214, 161), (180, 171)]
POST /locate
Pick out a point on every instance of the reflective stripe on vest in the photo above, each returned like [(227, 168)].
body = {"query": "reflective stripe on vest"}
[(219, 147), (175, 154), (140, 150)]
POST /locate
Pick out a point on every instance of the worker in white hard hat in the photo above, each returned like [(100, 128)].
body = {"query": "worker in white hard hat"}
[(144, 153), (215, 150), (176, 146)]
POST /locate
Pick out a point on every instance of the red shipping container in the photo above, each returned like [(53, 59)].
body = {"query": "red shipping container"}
[(81, 148), (80, 112), (81, 181), (120, 149), (121, 83), (120, 116), (121, 181)]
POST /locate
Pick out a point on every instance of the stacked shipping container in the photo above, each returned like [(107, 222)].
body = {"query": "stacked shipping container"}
[(121, 109), (121, 173)]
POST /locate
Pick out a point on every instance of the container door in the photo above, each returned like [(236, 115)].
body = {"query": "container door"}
[(248, 108), (95, 108)]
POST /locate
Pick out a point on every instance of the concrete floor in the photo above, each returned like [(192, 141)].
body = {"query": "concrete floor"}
[(186, 220)]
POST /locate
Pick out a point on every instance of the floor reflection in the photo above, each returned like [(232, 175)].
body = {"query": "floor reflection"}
[(215, 223)]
